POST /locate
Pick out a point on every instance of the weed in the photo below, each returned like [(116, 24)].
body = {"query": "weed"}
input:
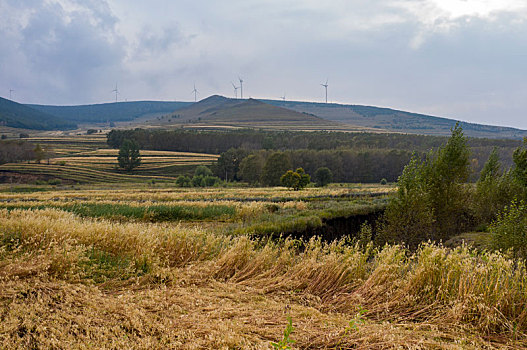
[(286, 340)]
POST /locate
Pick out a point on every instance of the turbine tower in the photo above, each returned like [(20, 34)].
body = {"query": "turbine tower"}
[(116, 92), (326, 86), (235, 89), (241, 87), (195, 92), (10, 93)]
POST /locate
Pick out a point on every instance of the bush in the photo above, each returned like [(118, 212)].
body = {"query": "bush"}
[(54, 181), (202, 170), (295, 179), (384, 181), (431, 201), (183, 181), (323, 176), (509, 231)]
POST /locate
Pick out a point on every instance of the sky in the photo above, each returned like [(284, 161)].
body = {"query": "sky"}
[(460, 59)]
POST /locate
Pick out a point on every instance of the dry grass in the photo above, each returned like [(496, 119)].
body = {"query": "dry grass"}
[(68, 282)]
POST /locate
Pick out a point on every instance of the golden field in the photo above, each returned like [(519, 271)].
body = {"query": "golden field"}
[(80, 281)]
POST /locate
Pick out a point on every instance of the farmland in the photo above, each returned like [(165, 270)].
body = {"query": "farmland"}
[(157, 267), (86, 159)]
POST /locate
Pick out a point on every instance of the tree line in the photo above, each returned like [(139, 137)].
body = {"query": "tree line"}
[(351, 157)]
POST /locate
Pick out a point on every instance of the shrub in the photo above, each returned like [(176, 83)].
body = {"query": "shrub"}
[(295, 179), (509, 231), (183, 181), (202, 170), (383, 181), (323, 176), (54, 181), (431, 201)]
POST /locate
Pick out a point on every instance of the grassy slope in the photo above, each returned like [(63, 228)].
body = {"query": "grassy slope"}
[(16, 115), (108, 112), (395, 120), (221, 111), (70, 280)]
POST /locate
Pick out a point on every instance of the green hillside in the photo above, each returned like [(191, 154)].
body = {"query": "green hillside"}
[(17, 115), (111, 112), (395, 120)]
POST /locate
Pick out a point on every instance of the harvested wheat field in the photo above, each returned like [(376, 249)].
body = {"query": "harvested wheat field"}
[(78, 280)]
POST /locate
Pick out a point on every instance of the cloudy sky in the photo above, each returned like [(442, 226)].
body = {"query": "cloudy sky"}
[(463, 59)]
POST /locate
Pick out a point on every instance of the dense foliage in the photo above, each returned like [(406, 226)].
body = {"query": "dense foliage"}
[(431, 202), (129, 157), (17, 115)]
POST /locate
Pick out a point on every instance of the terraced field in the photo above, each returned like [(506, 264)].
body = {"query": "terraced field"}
[(86, 159)]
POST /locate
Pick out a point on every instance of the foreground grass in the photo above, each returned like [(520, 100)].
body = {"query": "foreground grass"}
[(73, 282)]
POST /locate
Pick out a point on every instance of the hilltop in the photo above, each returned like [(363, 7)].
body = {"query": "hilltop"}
[(393, 120), (16, 115), (219, 111)]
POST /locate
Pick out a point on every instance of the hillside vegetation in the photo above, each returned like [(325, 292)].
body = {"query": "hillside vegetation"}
[(395, 120), (16, 115), (110, 112)]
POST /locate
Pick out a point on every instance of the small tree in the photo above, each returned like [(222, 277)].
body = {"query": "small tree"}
[(323, 176), (39, 153), (129, 157), (291, 179), (202, 170), (295, 179), (275, 166), (183, 181)]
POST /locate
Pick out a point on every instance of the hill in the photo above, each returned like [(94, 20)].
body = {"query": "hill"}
[(17, 115), (219, 111), (395, 120), (111, 112)]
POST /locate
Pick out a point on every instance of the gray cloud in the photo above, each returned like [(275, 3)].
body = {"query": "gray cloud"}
[(465, 63)]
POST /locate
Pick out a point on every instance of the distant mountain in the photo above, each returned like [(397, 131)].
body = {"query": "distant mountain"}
[(111, 112), (219, 111), (395, 120), (17, 115)]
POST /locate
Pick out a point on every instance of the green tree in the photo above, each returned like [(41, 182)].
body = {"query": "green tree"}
[(39, 153), (519, 170), (431, 202), (323, 176), (509, 231), (295, 179), (251, 168), (493, 190), (275, 166), (228, 164), (129, 156), (202, 170), (291, 179), (305, 179), (183, 181)]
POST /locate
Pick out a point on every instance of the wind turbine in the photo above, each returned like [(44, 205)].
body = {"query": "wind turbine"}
[(195, 92), (241, 87), (235, 89), (10, 92), (116, 92), (326, 86)]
